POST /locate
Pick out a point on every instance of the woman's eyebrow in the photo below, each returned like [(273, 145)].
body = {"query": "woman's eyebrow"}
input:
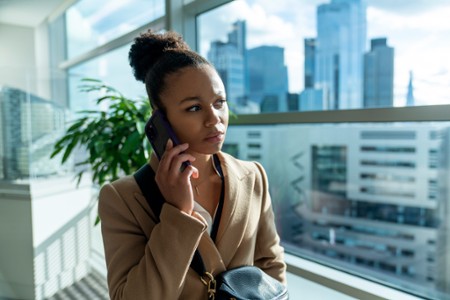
[(197, 98), (187, 99)]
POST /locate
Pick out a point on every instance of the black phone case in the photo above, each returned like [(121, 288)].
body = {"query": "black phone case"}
[(159, 131)]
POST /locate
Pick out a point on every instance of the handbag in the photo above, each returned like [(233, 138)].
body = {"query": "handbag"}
[(242, 283)]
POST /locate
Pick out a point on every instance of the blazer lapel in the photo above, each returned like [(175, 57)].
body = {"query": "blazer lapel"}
[(235, 212), (210, 255)]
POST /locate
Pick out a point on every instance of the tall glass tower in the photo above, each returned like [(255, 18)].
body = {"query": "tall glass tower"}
[(379, 75), (268, 78), (340, 47), (230, 66), (310, 57), (229, 58)]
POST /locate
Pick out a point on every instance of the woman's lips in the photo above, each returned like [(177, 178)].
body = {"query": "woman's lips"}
[(215, 137)]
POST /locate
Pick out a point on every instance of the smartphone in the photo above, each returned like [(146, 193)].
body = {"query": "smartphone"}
[(159, 131)]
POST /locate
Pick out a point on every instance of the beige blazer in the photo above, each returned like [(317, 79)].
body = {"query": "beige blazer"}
[(151, 261)]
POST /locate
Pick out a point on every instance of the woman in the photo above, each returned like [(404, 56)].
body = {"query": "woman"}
[(147, 259)]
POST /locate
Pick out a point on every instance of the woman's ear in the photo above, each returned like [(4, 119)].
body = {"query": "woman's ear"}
[(153, 107)]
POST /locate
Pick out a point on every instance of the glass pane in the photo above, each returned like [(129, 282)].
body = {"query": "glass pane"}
[(30, 127), (277, 56), (93, 23), (370, 199), (40, 199), (113, 69)]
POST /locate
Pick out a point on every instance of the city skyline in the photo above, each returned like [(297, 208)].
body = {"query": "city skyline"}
[(416, 29), (339, 74)]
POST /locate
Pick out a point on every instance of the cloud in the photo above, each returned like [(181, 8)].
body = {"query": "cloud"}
[(420, 43), (264, 27), (417, 30), (407, 7), (431, 20)]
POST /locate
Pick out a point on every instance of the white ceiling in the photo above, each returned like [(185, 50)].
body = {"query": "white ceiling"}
[(29, 13)]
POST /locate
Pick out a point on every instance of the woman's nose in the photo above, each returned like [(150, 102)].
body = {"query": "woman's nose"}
[(213, 117)]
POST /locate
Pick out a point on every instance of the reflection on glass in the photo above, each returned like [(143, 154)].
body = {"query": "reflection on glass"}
[(93, 23), (361, 197), (113, 69), (30, 125), (329, 54), (40, 198)]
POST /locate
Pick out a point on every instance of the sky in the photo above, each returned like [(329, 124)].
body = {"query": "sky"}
[(419, 32)]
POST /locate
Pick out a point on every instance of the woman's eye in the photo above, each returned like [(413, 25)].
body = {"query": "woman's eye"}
[(220, 103), (194, 108)]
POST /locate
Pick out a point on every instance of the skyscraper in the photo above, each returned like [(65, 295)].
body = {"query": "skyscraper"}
[(379, 75), (230, 66), (238, 38), (340, 46), (268, 76), (310, 56), (293, 102), (311, 99), (229, 58), (410, 95)]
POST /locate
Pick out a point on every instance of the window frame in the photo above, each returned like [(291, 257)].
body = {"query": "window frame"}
[(432, 113), (327, 276), (312, 269), (183, 19)]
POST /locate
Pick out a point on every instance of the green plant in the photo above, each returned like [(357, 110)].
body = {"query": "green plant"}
[(114, 138)]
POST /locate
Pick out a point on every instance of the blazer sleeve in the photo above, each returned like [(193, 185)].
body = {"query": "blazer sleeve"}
[(269, 255), (142, 268)]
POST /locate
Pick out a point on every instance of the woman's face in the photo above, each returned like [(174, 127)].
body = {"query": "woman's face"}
[(196, 107)]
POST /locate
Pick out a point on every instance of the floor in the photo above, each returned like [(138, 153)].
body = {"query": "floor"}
[(93, 287)]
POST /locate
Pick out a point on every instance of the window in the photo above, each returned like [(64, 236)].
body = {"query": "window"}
[(111, 69), (366, 218), (349, 191), (90, 39), (329, 54), (340, 188), (90, 24)]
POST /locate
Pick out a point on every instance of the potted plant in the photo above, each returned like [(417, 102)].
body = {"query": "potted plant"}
[(114, 138)]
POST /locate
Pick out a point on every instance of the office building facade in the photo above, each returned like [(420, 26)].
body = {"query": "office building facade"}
[(339, 51), (230, 61), (362, 197), (309, 63), (268, 78), (379, 75)]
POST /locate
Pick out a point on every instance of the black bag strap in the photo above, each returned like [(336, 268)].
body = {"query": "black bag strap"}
[(216, 223), (145, 178)]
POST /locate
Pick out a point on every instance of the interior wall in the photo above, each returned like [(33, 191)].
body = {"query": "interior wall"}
[(16, 250), (17, 57), (44, 75)]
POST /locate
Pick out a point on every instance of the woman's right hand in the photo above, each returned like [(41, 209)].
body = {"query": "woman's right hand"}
[(175, 185)]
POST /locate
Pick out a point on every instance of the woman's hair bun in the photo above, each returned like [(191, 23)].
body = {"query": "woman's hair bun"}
[(149, 47)]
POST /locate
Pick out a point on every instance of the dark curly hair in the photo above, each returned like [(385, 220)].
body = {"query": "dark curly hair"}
[(153, 56)]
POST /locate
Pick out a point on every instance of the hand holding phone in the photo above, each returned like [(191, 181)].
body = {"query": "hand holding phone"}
[(175, 191), (159, 131)]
